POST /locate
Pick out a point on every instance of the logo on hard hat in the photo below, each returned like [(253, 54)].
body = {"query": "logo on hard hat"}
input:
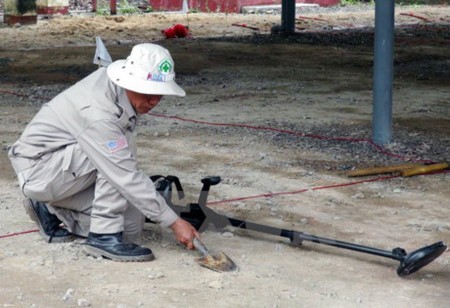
[(165, 67), (166, 73)]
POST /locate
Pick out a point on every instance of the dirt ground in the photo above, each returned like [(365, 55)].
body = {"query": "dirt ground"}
[(294, 115)]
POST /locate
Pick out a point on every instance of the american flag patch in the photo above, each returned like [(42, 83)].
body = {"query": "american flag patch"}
[(116, 145)]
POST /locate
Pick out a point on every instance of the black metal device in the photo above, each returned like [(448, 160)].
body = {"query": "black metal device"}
[(201, 217)]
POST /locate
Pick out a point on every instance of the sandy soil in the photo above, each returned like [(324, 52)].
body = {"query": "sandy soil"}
[(316, 84)]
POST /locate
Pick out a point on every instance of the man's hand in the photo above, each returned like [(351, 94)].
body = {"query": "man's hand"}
[(184, 232)]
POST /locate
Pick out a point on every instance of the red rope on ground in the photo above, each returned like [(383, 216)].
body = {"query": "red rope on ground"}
[(245, 26), (12, 93), (285, 131), (267, 195), (347, 139), (416, 16), (23, 95), (18, 233)]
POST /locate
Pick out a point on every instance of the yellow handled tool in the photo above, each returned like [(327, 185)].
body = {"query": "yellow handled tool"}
[(424, 169), (381, 170)]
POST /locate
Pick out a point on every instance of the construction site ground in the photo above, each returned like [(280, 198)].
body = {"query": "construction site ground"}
[(281, 119)]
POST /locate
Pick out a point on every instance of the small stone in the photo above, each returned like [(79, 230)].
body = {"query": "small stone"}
[(68, 295), (82, 302), (227, 234), (358, 196), (157, 275), (217, 285)]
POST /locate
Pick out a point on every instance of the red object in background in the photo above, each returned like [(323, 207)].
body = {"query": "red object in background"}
[(169, 33), (176, 31), (181, 31)]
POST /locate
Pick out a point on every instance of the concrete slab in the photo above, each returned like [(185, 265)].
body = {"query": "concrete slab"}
[(273, 8)]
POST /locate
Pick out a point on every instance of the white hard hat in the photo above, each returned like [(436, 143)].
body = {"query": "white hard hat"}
[(149, 69)]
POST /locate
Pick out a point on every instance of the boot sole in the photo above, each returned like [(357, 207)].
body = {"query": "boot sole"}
[(97, 252), (32, 214)]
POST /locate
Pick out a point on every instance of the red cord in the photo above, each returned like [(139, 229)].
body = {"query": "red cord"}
[(12, 93), (18, 233), (346, 139), (23, 95), (416, 16), (267, 195)]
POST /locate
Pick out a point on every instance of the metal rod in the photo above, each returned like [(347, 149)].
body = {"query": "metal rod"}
[(383, 72), (298, 237), (349, 246)]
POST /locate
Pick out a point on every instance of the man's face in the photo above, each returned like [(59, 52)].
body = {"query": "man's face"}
[(143, 103)]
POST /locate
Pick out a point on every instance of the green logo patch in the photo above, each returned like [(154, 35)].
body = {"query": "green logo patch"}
[(165, 67)]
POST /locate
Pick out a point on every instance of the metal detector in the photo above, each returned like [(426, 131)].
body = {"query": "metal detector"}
[(201, 216)]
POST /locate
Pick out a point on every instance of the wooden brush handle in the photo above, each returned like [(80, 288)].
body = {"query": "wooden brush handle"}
[(380, 170), (424, 169)]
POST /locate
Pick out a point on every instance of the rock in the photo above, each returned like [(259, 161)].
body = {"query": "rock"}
[(82, 302), (157, 275), (358, 196), (68, 295), (217, 285)]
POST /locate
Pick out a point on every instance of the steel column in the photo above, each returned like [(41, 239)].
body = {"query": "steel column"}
[(383, 72), (288, 15), (287, 18)]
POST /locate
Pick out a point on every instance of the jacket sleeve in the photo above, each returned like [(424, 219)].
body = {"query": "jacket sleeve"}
[(106, 144)]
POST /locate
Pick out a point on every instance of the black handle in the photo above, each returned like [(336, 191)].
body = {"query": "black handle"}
[(207, 183), (176, 181), (211, 180)]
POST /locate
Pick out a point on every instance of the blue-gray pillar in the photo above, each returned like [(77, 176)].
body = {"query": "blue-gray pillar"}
[(383, 73)]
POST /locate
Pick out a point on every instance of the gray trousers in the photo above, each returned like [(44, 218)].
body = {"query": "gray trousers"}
[(68, 183)]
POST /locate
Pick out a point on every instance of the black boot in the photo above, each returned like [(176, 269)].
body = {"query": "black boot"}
[(48, 224), (111, 246)]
